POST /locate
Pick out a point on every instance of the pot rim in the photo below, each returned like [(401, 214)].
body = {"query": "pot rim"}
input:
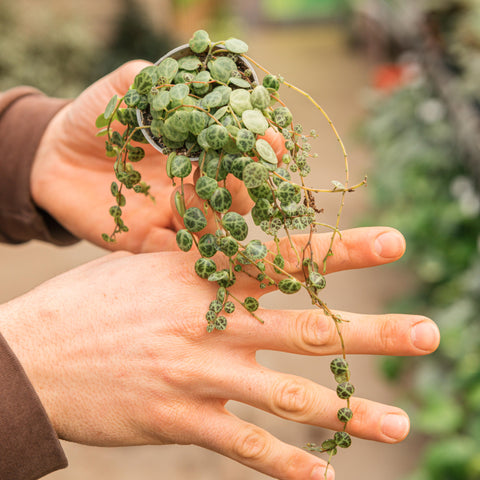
[(177, 53)]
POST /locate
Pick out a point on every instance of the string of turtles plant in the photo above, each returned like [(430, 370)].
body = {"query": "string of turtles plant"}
[(208, 105)]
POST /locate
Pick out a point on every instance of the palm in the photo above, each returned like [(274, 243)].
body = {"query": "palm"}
[(73, 176)]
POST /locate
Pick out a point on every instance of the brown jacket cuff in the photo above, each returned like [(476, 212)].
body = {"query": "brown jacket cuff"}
[(29, 447), (24, 115)]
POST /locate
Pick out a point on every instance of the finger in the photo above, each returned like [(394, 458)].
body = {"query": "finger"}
[(256, 448), (355, 248), (311, 332), (159, 240), (241, 203), (303, 401)]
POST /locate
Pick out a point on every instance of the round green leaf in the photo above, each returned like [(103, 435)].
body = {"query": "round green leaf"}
[(205, 187), (238, 166), (240, 101), (202, 140), (235, 45), (239, 82), (194, 219), (179, 92), (200, 82), (135, 154), (216, 136), (317, 280), (197, 122), (221, 68), (142, 83), (271, 81), (207, 245), (251, 304), (161, 101), (283, 173), (184, 240), (256, 250), (221, 200), (254, 175), (228, 246), (261, 211), (178, 121), (282, 116), (199, 41), (234, 223), (245, 140), (286, 192), (260, 97), (266, 151), (213, 166), (167, 69), (131, 98), (152, 70), (289, 285), (254, 120), (218, 97), (181, 166), (204, 267), (190, 63)]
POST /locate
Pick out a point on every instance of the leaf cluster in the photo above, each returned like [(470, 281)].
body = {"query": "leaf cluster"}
[(203, 103)]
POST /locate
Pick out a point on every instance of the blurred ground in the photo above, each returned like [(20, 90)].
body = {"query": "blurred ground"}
[(317, 59)]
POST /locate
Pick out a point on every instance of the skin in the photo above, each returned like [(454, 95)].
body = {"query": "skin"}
[(117, 349), (71, 176), (117, 364)]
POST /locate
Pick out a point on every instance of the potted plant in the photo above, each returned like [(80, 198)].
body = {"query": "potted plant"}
[(203, 103)]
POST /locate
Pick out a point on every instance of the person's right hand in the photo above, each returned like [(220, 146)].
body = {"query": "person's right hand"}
[(118, 352)]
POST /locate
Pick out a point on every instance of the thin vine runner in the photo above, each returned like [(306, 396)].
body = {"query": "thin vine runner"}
[(207, 105)]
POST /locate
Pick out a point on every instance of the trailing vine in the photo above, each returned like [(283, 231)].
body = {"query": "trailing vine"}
[(204, 103)]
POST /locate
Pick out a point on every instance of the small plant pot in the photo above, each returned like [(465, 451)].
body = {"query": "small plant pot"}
[(177, 54)]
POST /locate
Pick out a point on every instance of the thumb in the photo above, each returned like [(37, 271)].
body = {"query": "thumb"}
[(121, 78)]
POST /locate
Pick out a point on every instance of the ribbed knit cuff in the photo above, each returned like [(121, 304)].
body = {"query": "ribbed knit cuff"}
[(29, 446), (24, 115)]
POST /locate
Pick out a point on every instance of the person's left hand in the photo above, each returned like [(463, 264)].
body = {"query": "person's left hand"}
[(71, 176)]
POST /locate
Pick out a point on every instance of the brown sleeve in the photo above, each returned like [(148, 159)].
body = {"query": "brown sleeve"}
[(29, 447), (24, 116)]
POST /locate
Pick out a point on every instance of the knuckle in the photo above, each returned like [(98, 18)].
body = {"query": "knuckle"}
[(360, 417), (291, 398), (390, 335), (312, 331), (289, 255), (252, 443)]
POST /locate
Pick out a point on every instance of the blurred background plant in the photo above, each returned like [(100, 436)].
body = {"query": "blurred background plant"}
[(423, 129)]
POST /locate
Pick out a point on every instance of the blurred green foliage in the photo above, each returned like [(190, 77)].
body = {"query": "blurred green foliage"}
[(58, 53), (132, 37), (422, 186), (53, 54)]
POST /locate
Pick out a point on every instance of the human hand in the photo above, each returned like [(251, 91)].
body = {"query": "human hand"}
[(71, 176), (118, 352)]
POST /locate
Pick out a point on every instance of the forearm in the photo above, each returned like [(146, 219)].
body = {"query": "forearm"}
[(29, 447), (24, 116)]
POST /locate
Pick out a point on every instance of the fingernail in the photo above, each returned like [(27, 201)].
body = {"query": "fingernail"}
[(395, 426), (425, 336), (389, 245), (318, 473)]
